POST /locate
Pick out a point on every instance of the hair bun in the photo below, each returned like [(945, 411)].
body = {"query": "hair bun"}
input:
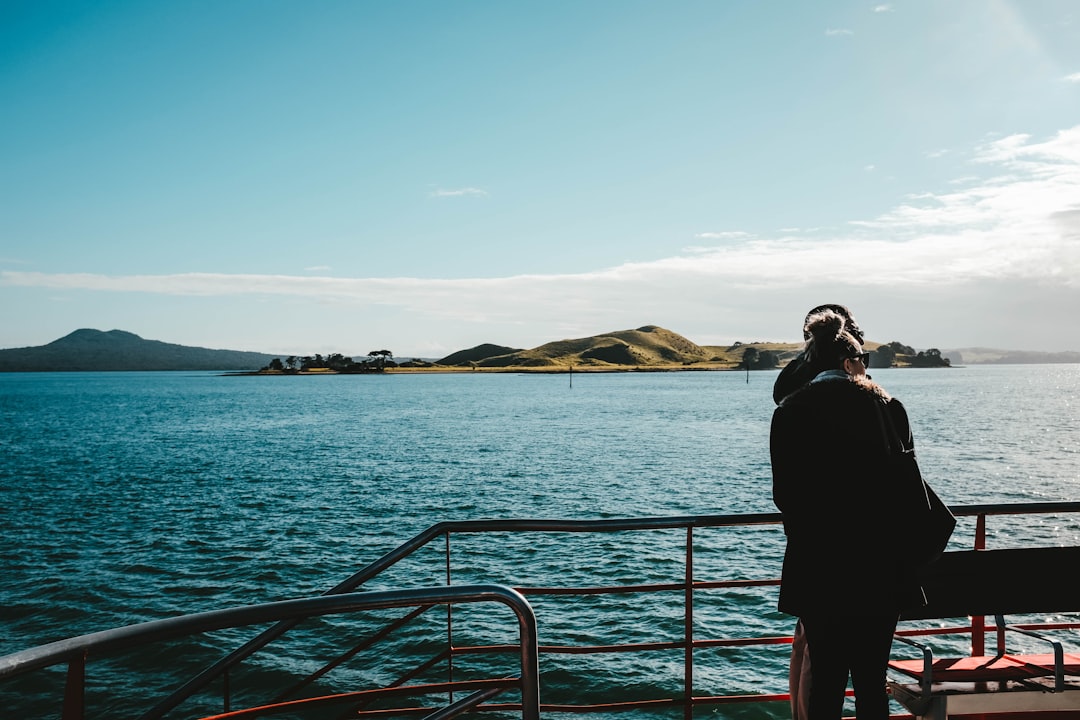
[(849, 320), (825, 326)]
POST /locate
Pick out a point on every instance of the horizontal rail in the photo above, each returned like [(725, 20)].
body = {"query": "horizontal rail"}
[(656, 587), (644, 647), (484, 689)]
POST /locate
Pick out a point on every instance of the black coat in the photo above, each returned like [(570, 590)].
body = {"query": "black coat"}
[(831, 483), (798, 372)]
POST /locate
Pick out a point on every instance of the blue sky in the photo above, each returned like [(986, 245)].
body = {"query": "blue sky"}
[(426, 176)]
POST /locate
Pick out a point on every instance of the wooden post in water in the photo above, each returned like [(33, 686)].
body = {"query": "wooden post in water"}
[(571, 376)]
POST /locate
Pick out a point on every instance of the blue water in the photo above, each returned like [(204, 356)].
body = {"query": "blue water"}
[(133, 496)]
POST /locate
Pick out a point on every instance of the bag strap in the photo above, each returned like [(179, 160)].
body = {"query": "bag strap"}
[(893, 443)]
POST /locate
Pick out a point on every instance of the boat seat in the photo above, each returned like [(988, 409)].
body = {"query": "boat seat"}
[(993, 583), (990, 668)]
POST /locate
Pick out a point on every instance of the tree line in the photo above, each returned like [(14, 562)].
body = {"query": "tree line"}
[(896, 353), (892, 354), (377, 361)]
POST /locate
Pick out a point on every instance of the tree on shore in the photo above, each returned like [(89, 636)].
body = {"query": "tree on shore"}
[(754, 359), (883, 357), (930, 358), (897, 354), (380, 357), (377, 361)]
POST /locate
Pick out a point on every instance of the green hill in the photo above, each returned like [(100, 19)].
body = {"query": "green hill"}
[(118, 350), (476, 354), (648, 346)]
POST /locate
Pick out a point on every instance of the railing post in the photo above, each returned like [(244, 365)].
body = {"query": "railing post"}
[(978, 622), (688, 631), (529, 640), (449, 627), (75, 689)]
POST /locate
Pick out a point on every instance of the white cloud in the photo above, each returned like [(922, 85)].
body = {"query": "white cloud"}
[(836, 32), (953, 236), (885, 8), (727, 235), (459, 192), (1020, 227), (1075, 77)]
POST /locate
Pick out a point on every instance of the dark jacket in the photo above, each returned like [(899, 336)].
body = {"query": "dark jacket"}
[(798, 372), (830, 482)]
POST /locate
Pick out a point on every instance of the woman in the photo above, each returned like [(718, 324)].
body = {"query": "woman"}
[(831, 482), (794, 375), (801, 370)]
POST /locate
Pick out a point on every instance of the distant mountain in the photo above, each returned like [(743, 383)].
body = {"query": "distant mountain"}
[(646, 346), (990, 356), (118, 350)]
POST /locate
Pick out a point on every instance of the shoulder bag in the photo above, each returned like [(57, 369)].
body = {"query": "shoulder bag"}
[(920, 511)]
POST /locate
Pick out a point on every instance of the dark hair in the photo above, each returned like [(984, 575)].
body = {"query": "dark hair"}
[(830, 340), (849, 320)]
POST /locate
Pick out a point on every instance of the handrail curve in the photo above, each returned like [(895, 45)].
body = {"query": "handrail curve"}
[(285, 610)]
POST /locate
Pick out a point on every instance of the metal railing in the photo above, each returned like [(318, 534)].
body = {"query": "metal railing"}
[(76, 652), (686, 585)]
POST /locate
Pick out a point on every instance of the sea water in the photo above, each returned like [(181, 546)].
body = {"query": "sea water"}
[(128, 497)]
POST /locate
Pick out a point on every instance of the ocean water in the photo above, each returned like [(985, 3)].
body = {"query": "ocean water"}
[(127, 497)]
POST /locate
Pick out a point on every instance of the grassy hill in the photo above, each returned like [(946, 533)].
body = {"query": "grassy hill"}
[(464, 358), (648, 347), (118, 350)]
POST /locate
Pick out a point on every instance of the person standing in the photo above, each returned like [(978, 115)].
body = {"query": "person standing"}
[(797, 373), (830, 455)]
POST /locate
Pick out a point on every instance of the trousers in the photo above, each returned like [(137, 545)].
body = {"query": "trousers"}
[(855, 645)]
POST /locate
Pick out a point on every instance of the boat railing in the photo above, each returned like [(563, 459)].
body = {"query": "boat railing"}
[(692, 580), (76, 652)]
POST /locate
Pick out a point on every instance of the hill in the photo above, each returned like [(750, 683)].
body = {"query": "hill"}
[(991, 356), (96, 350), (648, 346), (476, 354)]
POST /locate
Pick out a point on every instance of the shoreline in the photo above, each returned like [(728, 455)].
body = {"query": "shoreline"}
[(543, 370), (550, 370)]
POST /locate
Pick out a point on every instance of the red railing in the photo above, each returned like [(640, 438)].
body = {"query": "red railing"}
[(686, 585)]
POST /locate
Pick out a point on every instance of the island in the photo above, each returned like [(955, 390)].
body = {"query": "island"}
[(649, 348)]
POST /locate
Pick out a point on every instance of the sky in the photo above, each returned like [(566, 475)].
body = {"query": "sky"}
[(425, 176)]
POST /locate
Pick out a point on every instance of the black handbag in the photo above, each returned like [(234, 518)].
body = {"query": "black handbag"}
[(919, 513)]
